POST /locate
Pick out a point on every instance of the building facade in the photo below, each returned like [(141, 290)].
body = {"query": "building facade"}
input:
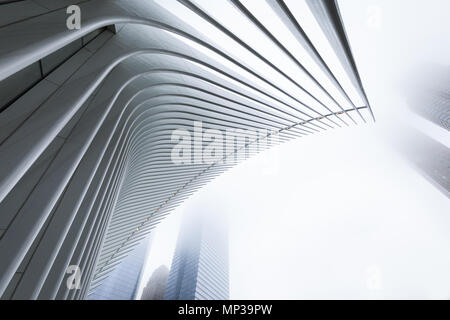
[(156, 285), (200, 264), (123, 282), (431, 99), (429, 157)]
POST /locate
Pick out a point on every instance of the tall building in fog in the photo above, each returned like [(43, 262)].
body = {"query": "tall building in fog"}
[(200, 265), (432, 97), (156, 285), (430, 157), (123, 282)]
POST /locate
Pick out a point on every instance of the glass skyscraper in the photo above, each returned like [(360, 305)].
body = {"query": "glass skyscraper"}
[(156, 286), (430, 157), (431, 99), (432, 102), (123, 282), (200, 265)]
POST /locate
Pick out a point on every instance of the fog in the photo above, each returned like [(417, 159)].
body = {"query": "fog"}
[(342, 214)]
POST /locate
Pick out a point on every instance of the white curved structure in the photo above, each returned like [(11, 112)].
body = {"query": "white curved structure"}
[(85, 167)]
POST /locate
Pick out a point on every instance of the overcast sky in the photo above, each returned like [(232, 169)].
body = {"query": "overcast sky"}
[(341, 214)]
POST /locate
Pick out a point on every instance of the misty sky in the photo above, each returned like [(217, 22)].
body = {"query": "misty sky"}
[(341, 214)]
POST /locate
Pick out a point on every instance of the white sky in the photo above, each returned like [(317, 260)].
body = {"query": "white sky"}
[(340, 214)]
